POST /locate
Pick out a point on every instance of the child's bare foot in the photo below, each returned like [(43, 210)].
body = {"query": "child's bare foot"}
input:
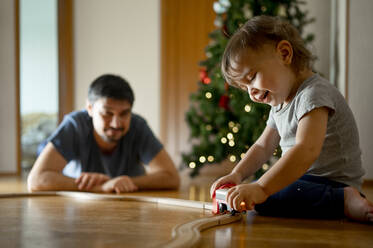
[(357, 207)]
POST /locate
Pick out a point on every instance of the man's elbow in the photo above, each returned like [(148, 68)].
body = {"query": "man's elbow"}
[(32, 186), (36, 183)]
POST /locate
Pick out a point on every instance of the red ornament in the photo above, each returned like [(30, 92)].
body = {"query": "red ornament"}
[(202, 74), (206, 80), (224, 102)]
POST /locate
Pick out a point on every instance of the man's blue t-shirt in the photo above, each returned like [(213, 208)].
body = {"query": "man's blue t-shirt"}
[(75, 141)]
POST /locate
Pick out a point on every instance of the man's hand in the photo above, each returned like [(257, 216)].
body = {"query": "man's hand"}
[(246, 196), (87, 180), (120, 184)]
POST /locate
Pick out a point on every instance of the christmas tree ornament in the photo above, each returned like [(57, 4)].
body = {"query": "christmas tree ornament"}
[(224, 102), (206, 80)]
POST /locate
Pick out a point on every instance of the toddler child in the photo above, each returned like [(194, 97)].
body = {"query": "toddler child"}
[(319, 174)]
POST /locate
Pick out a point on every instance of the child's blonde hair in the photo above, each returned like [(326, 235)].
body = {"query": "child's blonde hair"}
[(254, 34)]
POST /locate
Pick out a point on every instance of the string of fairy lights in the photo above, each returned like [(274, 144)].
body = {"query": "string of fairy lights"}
[(227, 139)]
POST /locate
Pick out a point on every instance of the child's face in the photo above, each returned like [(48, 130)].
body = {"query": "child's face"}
[(267, 74)]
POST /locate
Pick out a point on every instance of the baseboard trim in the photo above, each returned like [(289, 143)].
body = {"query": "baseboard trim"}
[(6, 174)]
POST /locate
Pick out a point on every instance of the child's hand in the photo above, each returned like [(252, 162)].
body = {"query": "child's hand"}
[(230, 178), (245, 196)]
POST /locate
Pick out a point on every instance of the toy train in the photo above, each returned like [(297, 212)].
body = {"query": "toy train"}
[(220, 206)]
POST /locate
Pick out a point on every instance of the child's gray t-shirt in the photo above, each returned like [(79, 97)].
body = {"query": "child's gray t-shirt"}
[(75, 141), (340, 157)]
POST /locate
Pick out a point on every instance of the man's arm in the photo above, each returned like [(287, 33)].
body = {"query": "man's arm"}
[(46, 174), (162, 174)]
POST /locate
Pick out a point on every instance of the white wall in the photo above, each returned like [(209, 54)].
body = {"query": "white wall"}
[(121, 37), (320, 10), (8, 111), (360, 82)]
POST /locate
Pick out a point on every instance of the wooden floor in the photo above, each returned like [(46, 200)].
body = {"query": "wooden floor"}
[(52, 221)]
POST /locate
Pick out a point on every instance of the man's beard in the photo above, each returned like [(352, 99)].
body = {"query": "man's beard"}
[(113, 139)]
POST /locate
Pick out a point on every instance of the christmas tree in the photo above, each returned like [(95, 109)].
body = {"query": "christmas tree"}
[(223, 121)]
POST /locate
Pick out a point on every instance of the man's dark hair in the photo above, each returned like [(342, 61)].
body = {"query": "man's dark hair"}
[(110, 86)]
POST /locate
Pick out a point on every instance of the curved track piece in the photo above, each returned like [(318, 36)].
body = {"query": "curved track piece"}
[(188, 234)]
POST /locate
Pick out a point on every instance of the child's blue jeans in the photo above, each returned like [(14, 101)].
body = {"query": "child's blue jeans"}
[(308, 197)]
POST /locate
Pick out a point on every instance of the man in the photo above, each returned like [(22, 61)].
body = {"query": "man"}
[(103, 148)]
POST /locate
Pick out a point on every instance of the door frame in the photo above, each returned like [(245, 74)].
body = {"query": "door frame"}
[(65, 65)]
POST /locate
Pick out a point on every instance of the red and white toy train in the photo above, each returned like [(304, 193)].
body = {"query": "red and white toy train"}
[(220, 206)]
